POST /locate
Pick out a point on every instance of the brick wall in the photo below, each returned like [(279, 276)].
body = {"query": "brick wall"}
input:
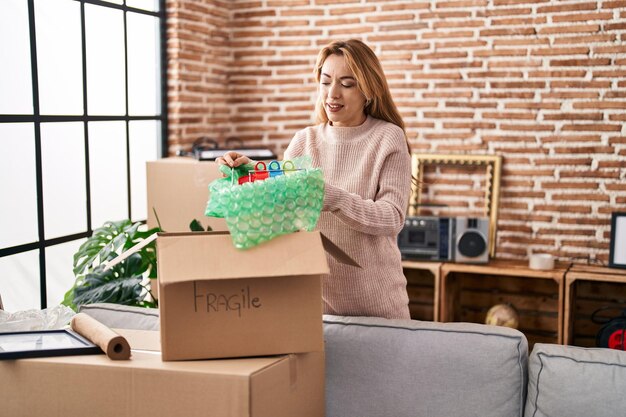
[(198, 61), (540, 82)]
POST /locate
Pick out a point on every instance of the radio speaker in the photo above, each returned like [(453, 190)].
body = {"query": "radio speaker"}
[(471, 240)]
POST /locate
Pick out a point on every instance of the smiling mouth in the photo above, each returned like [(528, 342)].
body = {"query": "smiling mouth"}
[(334, 107)]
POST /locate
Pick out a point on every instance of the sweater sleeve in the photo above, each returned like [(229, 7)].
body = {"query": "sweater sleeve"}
[(385, 214)]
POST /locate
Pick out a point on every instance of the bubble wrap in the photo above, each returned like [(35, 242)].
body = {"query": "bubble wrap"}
[(51, 318), (256, 212)]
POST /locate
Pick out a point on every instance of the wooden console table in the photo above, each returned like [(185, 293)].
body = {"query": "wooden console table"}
[(464, 292), (555, 306)]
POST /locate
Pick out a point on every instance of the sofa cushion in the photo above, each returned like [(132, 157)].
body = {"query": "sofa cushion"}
[(123, 317), (405, 368), (576, 382)]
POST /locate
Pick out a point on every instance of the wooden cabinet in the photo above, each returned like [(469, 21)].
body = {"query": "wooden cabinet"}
[(465, 292), (554, 306), (469, 291), (588, 288), (423, 288)]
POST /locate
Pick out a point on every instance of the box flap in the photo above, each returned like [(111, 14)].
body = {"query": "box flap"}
[(332, 249), (196, 256), (130, 251), (336, 252), (240, 367)]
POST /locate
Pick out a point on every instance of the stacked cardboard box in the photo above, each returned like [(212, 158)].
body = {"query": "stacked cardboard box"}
[(217, 301), (145, 386), (256, 313), (241, 331), (178, 191)]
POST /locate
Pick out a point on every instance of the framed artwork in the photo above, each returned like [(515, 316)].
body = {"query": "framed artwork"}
[(617, 251), (42, 343), (490, 165)]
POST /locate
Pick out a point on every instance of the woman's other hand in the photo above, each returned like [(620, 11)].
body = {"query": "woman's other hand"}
[(233, 159)]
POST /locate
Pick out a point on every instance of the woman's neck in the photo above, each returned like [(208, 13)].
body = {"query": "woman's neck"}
[(361, 121)]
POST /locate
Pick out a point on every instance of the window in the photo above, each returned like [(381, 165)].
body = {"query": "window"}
[(82, 108)]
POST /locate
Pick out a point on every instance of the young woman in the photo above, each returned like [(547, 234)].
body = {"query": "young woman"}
[(361, 146)]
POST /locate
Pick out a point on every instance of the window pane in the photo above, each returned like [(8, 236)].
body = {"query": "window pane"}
[(59, 57), (104, 29), (64, 196), (107, 171), (19, 281), (16, 93), (143, 65), (18, 185), (59, 275), (150, 5), (144, 140)]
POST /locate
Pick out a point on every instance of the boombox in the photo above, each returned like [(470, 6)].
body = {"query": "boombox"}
[(451, 239)]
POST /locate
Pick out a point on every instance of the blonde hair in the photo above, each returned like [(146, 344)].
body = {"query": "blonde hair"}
[(370, 78)]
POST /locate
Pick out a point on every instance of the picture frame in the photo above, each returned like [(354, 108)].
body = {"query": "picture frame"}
[(492, 168), (617, 249), (44, 343)]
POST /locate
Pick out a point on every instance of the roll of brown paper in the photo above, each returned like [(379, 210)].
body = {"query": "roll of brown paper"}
[(115, 346)]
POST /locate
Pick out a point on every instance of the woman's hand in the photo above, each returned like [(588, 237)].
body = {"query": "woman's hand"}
[(233, 159)]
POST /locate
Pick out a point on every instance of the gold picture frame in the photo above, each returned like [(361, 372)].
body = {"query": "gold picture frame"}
[(493, 168)]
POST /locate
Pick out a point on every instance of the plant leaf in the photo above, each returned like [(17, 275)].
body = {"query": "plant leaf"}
[(105, 244), (196, 226), (120, 284), (98, 248)]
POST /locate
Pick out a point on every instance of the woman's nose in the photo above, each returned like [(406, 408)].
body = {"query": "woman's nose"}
[(334, 90)]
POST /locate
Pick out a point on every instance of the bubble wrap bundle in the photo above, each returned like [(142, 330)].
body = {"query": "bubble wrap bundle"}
[(51, 318), (258, 211)]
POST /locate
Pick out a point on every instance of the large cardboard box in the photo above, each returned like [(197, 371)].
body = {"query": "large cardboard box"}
[(217, 301), (144, 386), (177, 189)]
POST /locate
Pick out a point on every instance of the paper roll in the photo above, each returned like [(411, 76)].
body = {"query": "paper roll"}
[(116, 347)]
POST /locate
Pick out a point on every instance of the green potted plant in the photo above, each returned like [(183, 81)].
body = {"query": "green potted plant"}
[(124, 283)]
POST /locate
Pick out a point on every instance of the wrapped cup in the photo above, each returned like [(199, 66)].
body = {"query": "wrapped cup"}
[(541, 261)]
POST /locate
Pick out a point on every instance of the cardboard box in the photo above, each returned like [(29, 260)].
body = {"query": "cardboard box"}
[(178, 189), (216, 301), (144, 386)]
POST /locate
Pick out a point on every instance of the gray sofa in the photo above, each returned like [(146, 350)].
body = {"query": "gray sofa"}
[(401, 368)]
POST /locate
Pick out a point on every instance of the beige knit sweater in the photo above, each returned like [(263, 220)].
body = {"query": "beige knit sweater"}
[(367, 170)]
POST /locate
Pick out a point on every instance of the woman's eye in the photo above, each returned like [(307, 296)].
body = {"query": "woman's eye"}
[(343, 85)]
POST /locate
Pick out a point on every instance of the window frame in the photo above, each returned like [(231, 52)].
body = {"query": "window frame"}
[(37, 119)]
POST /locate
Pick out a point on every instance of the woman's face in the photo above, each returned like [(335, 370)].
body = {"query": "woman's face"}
[(343, 101)]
